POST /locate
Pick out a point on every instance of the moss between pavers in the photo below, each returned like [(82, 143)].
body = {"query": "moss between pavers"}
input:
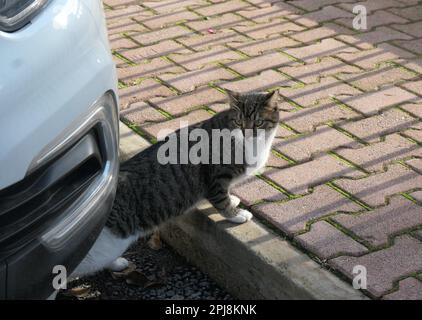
[(139, 131), (123, 58)]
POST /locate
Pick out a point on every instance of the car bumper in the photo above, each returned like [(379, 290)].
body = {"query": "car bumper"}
[(58, 105)]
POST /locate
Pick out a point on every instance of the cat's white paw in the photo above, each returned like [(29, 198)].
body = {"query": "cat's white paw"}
[(234, 201), (118, 265), (241, 217)]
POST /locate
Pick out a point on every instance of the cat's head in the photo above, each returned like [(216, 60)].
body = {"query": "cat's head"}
[(254, 110)]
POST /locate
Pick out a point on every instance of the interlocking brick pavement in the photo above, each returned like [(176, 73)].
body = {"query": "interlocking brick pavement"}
[(344, 179), (384, 267)]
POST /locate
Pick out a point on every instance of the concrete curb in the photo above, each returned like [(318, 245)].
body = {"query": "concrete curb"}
[(248, 260)]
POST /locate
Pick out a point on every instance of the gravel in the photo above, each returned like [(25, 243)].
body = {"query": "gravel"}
[(160, 274)]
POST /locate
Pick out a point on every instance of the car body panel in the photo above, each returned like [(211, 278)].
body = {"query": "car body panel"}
[(57, 82), (48, 73)]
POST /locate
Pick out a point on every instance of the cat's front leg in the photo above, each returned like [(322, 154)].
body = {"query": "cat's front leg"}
[(227, 205), (234, 201)]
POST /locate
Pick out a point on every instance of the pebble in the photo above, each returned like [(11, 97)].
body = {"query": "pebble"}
[(179, 279)]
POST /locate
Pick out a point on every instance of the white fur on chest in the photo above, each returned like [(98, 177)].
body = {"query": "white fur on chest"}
[(259, 153)]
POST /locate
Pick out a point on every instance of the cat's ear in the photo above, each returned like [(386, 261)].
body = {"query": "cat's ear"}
[(271, 99), (233, 99)]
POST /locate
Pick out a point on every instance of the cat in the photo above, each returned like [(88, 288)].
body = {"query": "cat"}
[(150, 193)]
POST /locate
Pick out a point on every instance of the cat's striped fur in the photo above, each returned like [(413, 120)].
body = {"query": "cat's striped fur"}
[(150, 193)]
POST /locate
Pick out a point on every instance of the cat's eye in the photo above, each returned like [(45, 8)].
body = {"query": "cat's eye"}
[(238, 123), (259, 123)]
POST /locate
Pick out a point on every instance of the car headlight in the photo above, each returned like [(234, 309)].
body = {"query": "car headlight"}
[(14, 14)]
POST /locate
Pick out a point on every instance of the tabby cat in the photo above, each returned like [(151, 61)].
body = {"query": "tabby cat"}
[(150, 193)]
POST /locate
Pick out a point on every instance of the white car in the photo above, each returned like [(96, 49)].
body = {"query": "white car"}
[(58, 139)]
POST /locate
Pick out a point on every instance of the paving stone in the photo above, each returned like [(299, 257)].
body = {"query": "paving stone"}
[(219, 107), (125, 25), (415, 164), (299, 178), (292, 216), (312, 5), (410, 28), (415, 65), (284, 105), (370, 129), (171, 5), (369, 39), (372, 80), (228, 6), (276, 161), (268, 3), (251, 66), (224, 21), (140, 113), (155, 67), (119, 3), (311, 73), (166, 19), (264, 30), (283, 132), (378, 18), (327, 13), (118, 41), (313, 94), (374, 189), (189, 81), (266, 80), (411, 45), (257, 47), (305, 120), (327, 30), (385, 266), (411, 13), (148, 88), (126, 12), (418, 235), (163, 48), (210, 40), (327, 47), (161, 35), (326, 241), (369, 59), (377, 226), (187, 101), (302, 147), (418, 196), (409, 289), (372, 102), (175, 124), (372, 5), (415, 86), (373, 157), (409, 2), (254, 189), (413, 108), (415, 134), (119, 62), (197, 60), (267, 14)]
